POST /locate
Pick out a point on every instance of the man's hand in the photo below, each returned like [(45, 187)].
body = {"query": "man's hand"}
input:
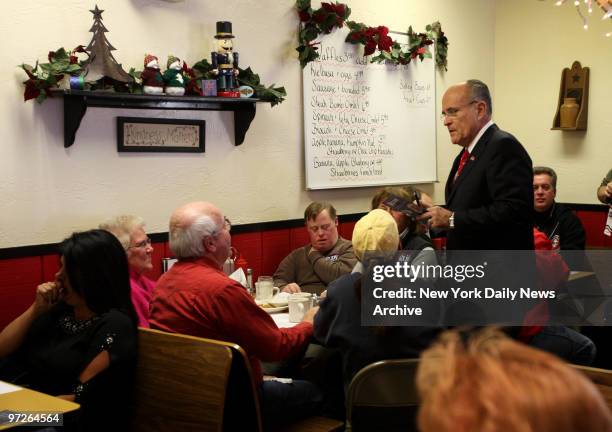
[(309, 315), (604, 193), (292, 288), (436, 217)]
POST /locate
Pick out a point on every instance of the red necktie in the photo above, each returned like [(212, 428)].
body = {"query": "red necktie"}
[(464, 157)]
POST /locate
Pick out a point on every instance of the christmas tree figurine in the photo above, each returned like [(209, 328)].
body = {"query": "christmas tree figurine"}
[(173, 77), (101, 63), (152, 80)]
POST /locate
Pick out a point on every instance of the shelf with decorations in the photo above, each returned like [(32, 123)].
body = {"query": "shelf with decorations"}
[(573, 101), (100, 81), (76, 103)]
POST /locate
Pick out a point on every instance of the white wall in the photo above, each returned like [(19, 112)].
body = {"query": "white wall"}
[(534, 41), (47, 191)]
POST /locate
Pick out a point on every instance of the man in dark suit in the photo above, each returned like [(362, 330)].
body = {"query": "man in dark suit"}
[(489, 191)]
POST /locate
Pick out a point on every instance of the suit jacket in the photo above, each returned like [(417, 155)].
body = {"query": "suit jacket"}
[(493, 196)]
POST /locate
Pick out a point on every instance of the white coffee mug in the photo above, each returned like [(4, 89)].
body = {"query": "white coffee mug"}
[(298, 306), (265, 290)]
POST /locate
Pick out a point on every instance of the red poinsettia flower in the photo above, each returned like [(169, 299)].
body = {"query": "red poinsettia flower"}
[(337, 8), (73, 59), (304, 16), (384, 41), (421, 51), (370, 32), (370, 47), (318, 16)]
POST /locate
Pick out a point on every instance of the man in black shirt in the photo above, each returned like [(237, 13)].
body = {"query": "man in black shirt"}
[(559, 223)]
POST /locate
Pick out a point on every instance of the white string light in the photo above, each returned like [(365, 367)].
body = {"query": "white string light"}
[(606, 5)]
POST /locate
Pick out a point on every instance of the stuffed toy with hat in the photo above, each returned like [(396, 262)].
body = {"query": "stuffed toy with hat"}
[(173, 77), (225, 61), (152, 80)]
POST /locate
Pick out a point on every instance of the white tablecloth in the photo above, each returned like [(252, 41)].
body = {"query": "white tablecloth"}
[(282, 320)]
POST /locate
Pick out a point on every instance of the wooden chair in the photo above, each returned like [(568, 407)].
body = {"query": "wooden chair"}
[(242, 403), (382, 396), (602, 378), (189, 383), (181, 382)]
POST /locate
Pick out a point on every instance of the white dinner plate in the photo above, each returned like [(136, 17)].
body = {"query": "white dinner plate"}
[(276, 309), (275, 301)]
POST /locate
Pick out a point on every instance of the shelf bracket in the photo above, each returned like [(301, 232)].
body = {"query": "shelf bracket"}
[(75, 108), (243, 116)]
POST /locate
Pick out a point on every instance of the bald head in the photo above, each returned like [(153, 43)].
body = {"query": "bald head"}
[(184, 216), (190, 225)]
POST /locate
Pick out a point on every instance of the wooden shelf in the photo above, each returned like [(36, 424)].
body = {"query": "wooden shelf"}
[(76, 103), (574, 84)]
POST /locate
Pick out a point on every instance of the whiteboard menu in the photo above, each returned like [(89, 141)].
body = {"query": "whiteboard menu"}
[(367, 124)]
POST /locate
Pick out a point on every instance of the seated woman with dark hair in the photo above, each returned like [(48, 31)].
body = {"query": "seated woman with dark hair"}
[(78, 339)]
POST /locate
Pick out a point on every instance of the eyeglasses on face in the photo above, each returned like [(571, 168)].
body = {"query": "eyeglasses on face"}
[(143, 244), (453, 111)]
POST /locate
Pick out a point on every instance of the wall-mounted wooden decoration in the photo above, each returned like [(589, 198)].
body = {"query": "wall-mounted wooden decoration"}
[(573, 104)]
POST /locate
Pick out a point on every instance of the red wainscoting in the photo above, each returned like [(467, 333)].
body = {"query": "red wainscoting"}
[(593, 223), (263, 250)]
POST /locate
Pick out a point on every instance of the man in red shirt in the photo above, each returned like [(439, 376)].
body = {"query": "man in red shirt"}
[(196, 298)]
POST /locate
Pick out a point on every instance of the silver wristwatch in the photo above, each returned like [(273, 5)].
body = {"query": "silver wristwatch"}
[(451, 220)]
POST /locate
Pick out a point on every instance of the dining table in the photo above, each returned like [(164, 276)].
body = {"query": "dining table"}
[(282, 320), (21, 406)]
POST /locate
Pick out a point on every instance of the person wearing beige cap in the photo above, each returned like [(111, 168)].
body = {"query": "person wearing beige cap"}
[(337, 324)]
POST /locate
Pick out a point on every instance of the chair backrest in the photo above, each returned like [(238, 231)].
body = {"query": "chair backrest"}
[(385, 394), (242, 403), (602, 378), (242, 400), (181, 382)]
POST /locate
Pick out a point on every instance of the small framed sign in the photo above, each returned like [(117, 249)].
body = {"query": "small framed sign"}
[(141, 134)]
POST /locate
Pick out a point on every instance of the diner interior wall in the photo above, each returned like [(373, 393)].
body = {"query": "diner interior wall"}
[(47, 191), (534, 41)]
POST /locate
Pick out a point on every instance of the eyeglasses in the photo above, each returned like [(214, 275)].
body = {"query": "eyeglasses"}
[(324, 227), (452, 112), (227, 224), (146, 242)]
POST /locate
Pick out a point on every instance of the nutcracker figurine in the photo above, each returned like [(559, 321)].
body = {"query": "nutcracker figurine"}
[(225, 61)]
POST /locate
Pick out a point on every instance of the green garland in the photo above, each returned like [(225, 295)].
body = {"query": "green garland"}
[(43, 77), (334, 15)]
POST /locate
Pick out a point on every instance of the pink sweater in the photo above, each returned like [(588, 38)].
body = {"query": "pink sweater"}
[(142, 290)]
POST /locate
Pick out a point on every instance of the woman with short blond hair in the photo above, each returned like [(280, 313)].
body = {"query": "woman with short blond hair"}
[(130, 232)]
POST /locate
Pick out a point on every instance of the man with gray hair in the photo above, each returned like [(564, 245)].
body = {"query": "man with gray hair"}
[(196, 298), (489, 187)]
